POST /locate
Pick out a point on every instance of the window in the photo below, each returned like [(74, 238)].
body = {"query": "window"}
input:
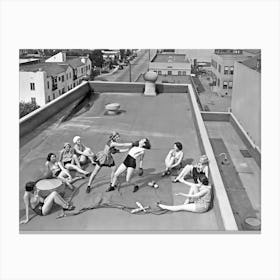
[(226, 70), (218, 82), (33, 100), (169, 72), (231, 70), (55, 79), (179, 73), (59, 79), (184, 73), (159, 72), (63, 91), (230, 85), (219, 68), (214, 63), (49, 98), (48, 83), (225, 84), (53, 96), (59, 92), (32, 86), (69, 75), (62, 77)]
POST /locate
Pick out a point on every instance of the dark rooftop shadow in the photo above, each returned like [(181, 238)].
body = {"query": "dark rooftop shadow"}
[(84, 105)]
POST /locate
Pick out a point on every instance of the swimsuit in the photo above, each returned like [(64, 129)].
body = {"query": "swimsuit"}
[(105, 158), (130, 160), (38, 208), (202, 204)]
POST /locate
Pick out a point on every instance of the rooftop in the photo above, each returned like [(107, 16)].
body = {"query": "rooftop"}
[(52, 68), (172, 58)]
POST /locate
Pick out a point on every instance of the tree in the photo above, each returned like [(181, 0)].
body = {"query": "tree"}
[(26, 108), (122, 54), (128, 52), (96, 57)]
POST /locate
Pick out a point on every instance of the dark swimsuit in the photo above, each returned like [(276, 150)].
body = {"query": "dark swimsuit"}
[(38, 208), (130, 161), (197, 175)]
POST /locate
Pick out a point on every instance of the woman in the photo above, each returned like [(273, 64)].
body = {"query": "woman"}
[(200, 169), (129, 164), (174, 158), (40, 205), (105, 158), (82, 151), (56, 170), (70, 161), (200, 194)]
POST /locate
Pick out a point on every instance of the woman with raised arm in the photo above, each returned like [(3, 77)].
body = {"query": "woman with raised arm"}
[(41, 206), (198, 199), (129, 164), (105, 157)]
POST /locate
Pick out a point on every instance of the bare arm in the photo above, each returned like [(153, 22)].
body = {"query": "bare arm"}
[(26, 203), (206, 171), (179, 161), (187, 183), (197, 195), (115, 144), (141, 160)]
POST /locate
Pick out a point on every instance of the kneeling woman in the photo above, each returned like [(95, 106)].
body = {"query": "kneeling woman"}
[(40, 205), (105, 158), (129, 163), (200, 194)]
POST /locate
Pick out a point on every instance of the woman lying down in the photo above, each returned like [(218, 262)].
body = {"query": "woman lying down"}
[(197, 200)]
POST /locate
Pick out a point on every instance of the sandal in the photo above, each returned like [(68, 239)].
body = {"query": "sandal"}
[(69, 208), (111, 188)]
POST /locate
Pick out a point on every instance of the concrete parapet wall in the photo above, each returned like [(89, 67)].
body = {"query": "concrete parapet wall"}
[(221, 198), (39, 116), (101, 86)]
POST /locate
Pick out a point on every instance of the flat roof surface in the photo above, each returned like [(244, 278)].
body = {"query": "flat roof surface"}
[(164, 119), (174, 58)]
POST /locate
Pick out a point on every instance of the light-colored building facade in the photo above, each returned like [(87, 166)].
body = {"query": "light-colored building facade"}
[(222, 67), (170, 64), (44, 82), (246, 97)]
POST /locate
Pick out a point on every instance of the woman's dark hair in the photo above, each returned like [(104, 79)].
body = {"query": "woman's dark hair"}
[(29, 186), (203, 179), (179, 145), (49, 156), (147, 144)]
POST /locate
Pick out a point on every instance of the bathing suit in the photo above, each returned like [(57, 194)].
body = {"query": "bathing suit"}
[(202, 204), (38, 208), (130, 160), (196, 175), (66, 157), (104, 158)]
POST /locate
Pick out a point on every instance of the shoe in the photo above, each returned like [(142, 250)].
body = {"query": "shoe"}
[(88, 174), (136, 188), (69, 208), (88, 189), (168, 172), (175, 181), (164, 174), (111, 188)]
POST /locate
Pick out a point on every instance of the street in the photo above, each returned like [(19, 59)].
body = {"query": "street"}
[(138, 66)]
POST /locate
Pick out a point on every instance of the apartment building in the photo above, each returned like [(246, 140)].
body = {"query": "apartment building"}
[(247, 90), (222, 67), (44, 82), (170, 64)]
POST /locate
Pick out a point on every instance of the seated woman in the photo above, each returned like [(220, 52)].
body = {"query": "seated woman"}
[(84, 153), (174, 158), (41, 206), (197, 170), (56, 170), (129, 164), (70, 161), (200, 194), (105, 157)]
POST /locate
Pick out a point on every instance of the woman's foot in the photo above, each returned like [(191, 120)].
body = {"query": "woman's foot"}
[(175, 180), (87, 174), (69, 208), (111, 188), (70, 186), (88, 189), (164, 174)]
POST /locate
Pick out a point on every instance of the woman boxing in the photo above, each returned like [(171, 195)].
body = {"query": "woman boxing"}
[(105, 157), (129, 164)]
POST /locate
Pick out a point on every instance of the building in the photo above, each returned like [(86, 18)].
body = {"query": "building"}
[(44, 82), (247, 90), (170, 64), (200, 55), (222, 67)]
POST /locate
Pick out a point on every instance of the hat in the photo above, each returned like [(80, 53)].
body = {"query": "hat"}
[(204, 159), (114, 134), (75, 139)]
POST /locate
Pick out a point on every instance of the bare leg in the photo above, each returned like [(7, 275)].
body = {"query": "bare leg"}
[(186, 170), (54, 197), (75, 161), (92, 176), (183, 207), (113, 168), (64, 177), (70, 166), (119, 171)]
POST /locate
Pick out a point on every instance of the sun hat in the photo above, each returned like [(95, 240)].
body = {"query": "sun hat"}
[(66, 144), (204, 159), (75, 139)]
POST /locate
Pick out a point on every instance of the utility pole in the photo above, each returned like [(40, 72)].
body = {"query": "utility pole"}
[(129, 71)]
